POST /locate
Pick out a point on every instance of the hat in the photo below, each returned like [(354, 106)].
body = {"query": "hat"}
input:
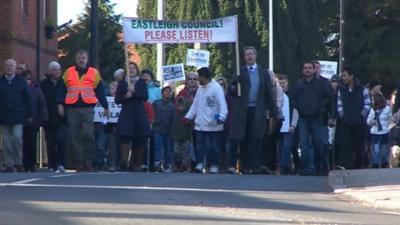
[(119, 72), (335, 78), (373, 83), (204, 72)]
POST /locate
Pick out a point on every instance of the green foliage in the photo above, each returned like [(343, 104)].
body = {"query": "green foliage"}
[(297, 34), (111, 53), (371, 38)]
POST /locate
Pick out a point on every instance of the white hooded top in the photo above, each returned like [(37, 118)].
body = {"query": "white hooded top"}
[(208, 102)]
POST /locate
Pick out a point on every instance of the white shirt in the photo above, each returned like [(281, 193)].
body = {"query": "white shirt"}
[(385, 118), (208, 102)]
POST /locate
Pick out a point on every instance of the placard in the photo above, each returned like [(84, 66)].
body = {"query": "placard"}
[(114, 108), (328, 68), (198, 58), (173, 73)]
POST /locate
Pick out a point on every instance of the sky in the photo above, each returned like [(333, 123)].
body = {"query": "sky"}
[(70, 9)]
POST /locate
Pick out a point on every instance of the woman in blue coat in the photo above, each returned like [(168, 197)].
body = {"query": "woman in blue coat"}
[(132, 124)]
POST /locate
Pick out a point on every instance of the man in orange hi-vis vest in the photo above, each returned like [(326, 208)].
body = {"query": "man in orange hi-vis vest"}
[(83, 88)]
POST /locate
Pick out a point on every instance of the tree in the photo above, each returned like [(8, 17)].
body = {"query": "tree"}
[(111, 52), (297, 34)]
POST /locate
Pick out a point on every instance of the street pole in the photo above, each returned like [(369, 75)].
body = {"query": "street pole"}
[(341, 37), (94, 33), (271, 37), (160, 47)]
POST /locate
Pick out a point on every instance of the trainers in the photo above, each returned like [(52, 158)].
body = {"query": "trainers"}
[(199, 168), (214, 169), (167, 168), (232, 170), (111, 169), (144, 168), (157, 166), (60, 169)]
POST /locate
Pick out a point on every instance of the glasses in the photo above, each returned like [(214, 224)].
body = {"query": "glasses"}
[(192, 78), (20, 68)]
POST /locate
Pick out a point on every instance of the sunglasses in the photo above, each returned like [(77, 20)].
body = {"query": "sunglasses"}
[(192, 78)]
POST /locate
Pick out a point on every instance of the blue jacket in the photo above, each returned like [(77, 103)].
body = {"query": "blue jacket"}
[(15, 101)]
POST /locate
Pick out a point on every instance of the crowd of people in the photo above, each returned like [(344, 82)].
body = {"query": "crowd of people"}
[(259, 123)]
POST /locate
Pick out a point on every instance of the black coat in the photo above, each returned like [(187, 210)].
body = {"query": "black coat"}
[(132, 121), (265, 102), (15, 101), (39, 114), (50, 91)]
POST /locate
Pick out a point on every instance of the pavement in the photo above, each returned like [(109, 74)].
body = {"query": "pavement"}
[(378, 188), (178, 198)]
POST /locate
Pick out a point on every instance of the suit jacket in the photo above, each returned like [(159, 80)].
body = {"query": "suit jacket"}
[(265, 102)]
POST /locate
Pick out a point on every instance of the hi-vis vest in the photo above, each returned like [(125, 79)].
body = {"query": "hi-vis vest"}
[(83, 87)]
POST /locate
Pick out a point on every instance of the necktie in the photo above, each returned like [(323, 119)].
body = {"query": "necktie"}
[(251, 69)]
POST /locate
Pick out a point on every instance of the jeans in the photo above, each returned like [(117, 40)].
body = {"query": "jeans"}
[(162, 148), (285, 149), (101, 144), (321, 159), (311, 136), (207, 147), (55, 140), (12, 140), (380, 149)]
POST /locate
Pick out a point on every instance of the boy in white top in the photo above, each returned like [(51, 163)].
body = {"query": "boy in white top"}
[(209, 111)]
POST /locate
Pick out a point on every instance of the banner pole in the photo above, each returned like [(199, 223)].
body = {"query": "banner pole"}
[(127, 74), (239, 89)]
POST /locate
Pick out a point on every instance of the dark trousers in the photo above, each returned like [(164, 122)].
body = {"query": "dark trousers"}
[(295, 150), (352, 151), (270, 147), (30, 147), (321, 159), (55, 140), (250, 147)]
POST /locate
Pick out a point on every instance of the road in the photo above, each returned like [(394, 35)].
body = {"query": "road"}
[(143, 198)]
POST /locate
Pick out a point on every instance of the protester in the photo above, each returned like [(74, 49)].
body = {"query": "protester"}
[(132, 126), (191, 86), (162, 127), (209, 111), (81, 89), (270, 140), (375, 87), (15, 110), (310, 96), (223, 139), (288, 128), (113, 143), (154, 92), (182, 135), (321, 159), (119, 75), (379, 118), (249, 112), (353, 106), (31, 127), (55, 128)]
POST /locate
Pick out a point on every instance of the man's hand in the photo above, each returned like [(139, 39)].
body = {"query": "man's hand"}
[(186, 121), (107, 113), (331, 123), (61, 110), (292, 129)]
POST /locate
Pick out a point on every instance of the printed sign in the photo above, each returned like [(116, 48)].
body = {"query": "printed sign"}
[(328, 69), (173, 73), (198, 58), (114, 112), (148, 31)]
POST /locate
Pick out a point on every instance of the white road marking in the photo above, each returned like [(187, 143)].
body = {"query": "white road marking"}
[(26, 181), (62, 175), (147, 188)]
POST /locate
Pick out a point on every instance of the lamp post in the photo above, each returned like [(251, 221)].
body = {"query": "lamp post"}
[(160, 47), (94, 33), (271, 36), (341, 37)]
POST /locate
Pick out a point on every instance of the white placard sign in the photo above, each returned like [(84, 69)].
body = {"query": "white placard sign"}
[(198, 58), (173, 73), (114, 111), (328, 68), (149, 31)]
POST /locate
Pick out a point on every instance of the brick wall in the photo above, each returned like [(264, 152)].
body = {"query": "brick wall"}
[(18, 32)]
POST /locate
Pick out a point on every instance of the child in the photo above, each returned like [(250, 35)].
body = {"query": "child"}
[(182, 135), (165, 111), (379, 119)]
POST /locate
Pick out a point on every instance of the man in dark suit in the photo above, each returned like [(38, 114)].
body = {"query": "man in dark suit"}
[(250, 107)]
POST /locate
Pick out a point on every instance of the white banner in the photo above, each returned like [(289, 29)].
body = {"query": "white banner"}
[(198, 58), (114, 111), (328, 69), (173, 73), (148, 31)]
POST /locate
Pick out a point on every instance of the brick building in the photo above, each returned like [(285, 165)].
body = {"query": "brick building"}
[(19, 36)]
